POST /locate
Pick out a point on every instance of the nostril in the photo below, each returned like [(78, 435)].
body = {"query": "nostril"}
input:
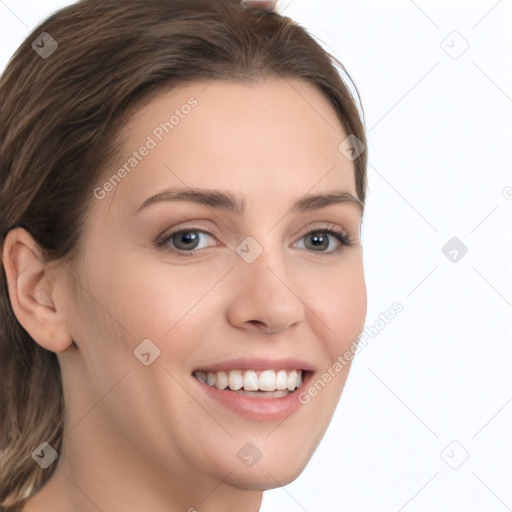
[(264, 327)]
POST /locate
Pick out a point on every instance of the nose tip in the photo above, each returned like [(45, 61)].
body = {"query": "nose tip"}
[(265, 303)]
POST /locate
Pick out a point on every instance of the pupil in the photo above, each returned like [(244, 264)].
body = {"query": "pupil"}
[(188, 238), (318, 240)]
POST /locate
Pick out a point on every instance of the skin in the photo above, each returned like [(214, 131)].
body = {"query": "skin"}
[(146, 430), (264, 5)]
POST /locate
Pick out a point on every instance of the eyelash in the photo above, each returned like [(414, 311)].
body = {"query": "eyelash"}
[(162, 243)]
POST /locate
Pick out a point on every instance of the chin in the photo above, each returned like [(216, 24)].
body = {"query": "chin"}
[(279, 460), (266, 477)]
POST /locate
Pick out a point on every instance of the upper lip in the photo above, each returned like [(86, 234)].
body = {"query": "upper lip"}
[(257, 363)]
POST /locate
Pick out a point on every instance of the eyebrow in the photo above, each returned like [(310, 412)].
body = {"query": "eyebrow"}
[(227, 201)]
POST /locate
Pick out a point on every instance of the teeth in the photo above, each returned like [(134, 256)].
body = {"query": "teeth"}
[(282, 380), (202, 376), (211, 379), (292, 380), (252, 380), (221, 380), (268, 380), (236, 380)]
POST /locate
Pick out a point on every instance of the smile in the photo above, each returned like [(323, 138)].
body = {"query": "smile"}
[(257, 394), (253, 382)]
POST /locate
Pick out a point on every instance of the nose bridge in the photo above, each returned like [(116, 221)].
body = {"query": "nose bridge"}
[(265, 295), (263, 258)]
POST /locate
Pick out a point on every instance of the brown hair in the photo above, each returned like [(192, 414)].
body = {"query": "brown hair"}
[(62, 121)]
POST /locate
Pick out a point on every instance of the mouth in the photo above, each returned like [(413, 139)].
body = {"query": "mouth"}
[(255, 393), (262, 383)]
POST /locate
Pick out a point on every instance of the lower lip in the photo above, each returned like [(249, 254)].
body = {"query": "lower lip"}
[(257, 408)]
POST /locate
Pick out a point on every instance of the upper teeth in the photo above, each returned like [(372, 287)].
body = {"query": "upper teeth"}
[(252, 380)]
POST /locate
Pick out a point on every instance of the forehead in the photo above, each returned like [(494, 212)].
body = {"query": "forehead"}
[(276, 136)]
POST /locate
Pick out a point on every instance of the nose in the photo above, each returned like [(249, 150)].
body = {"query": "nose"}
[(266, 299)]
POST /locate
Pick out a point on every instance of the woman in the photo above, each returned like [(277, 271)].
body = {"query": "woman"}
[(182, 190)]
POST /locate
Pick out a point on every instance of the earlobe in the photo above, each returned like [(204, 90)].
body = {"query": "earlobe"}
[(32, 289)]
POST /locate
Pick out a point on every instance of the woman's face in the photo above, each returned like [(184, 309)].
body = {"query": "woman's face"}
[(246, 287)]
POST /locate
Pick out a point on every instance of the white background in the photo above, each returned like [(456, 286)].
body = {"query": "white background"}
[(440, 136)]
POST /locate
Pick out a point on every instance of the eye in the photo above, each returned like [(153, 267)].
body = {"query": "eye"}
[(320, 239), (183, 242), (186, 242)]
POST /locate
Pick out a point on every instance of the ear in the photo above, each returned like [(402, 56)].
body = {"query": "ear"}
[(33, 286)]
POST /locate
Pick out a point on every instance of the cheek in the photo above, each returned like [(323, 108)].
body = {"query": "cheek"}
[(342, 305), (150, 298)]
